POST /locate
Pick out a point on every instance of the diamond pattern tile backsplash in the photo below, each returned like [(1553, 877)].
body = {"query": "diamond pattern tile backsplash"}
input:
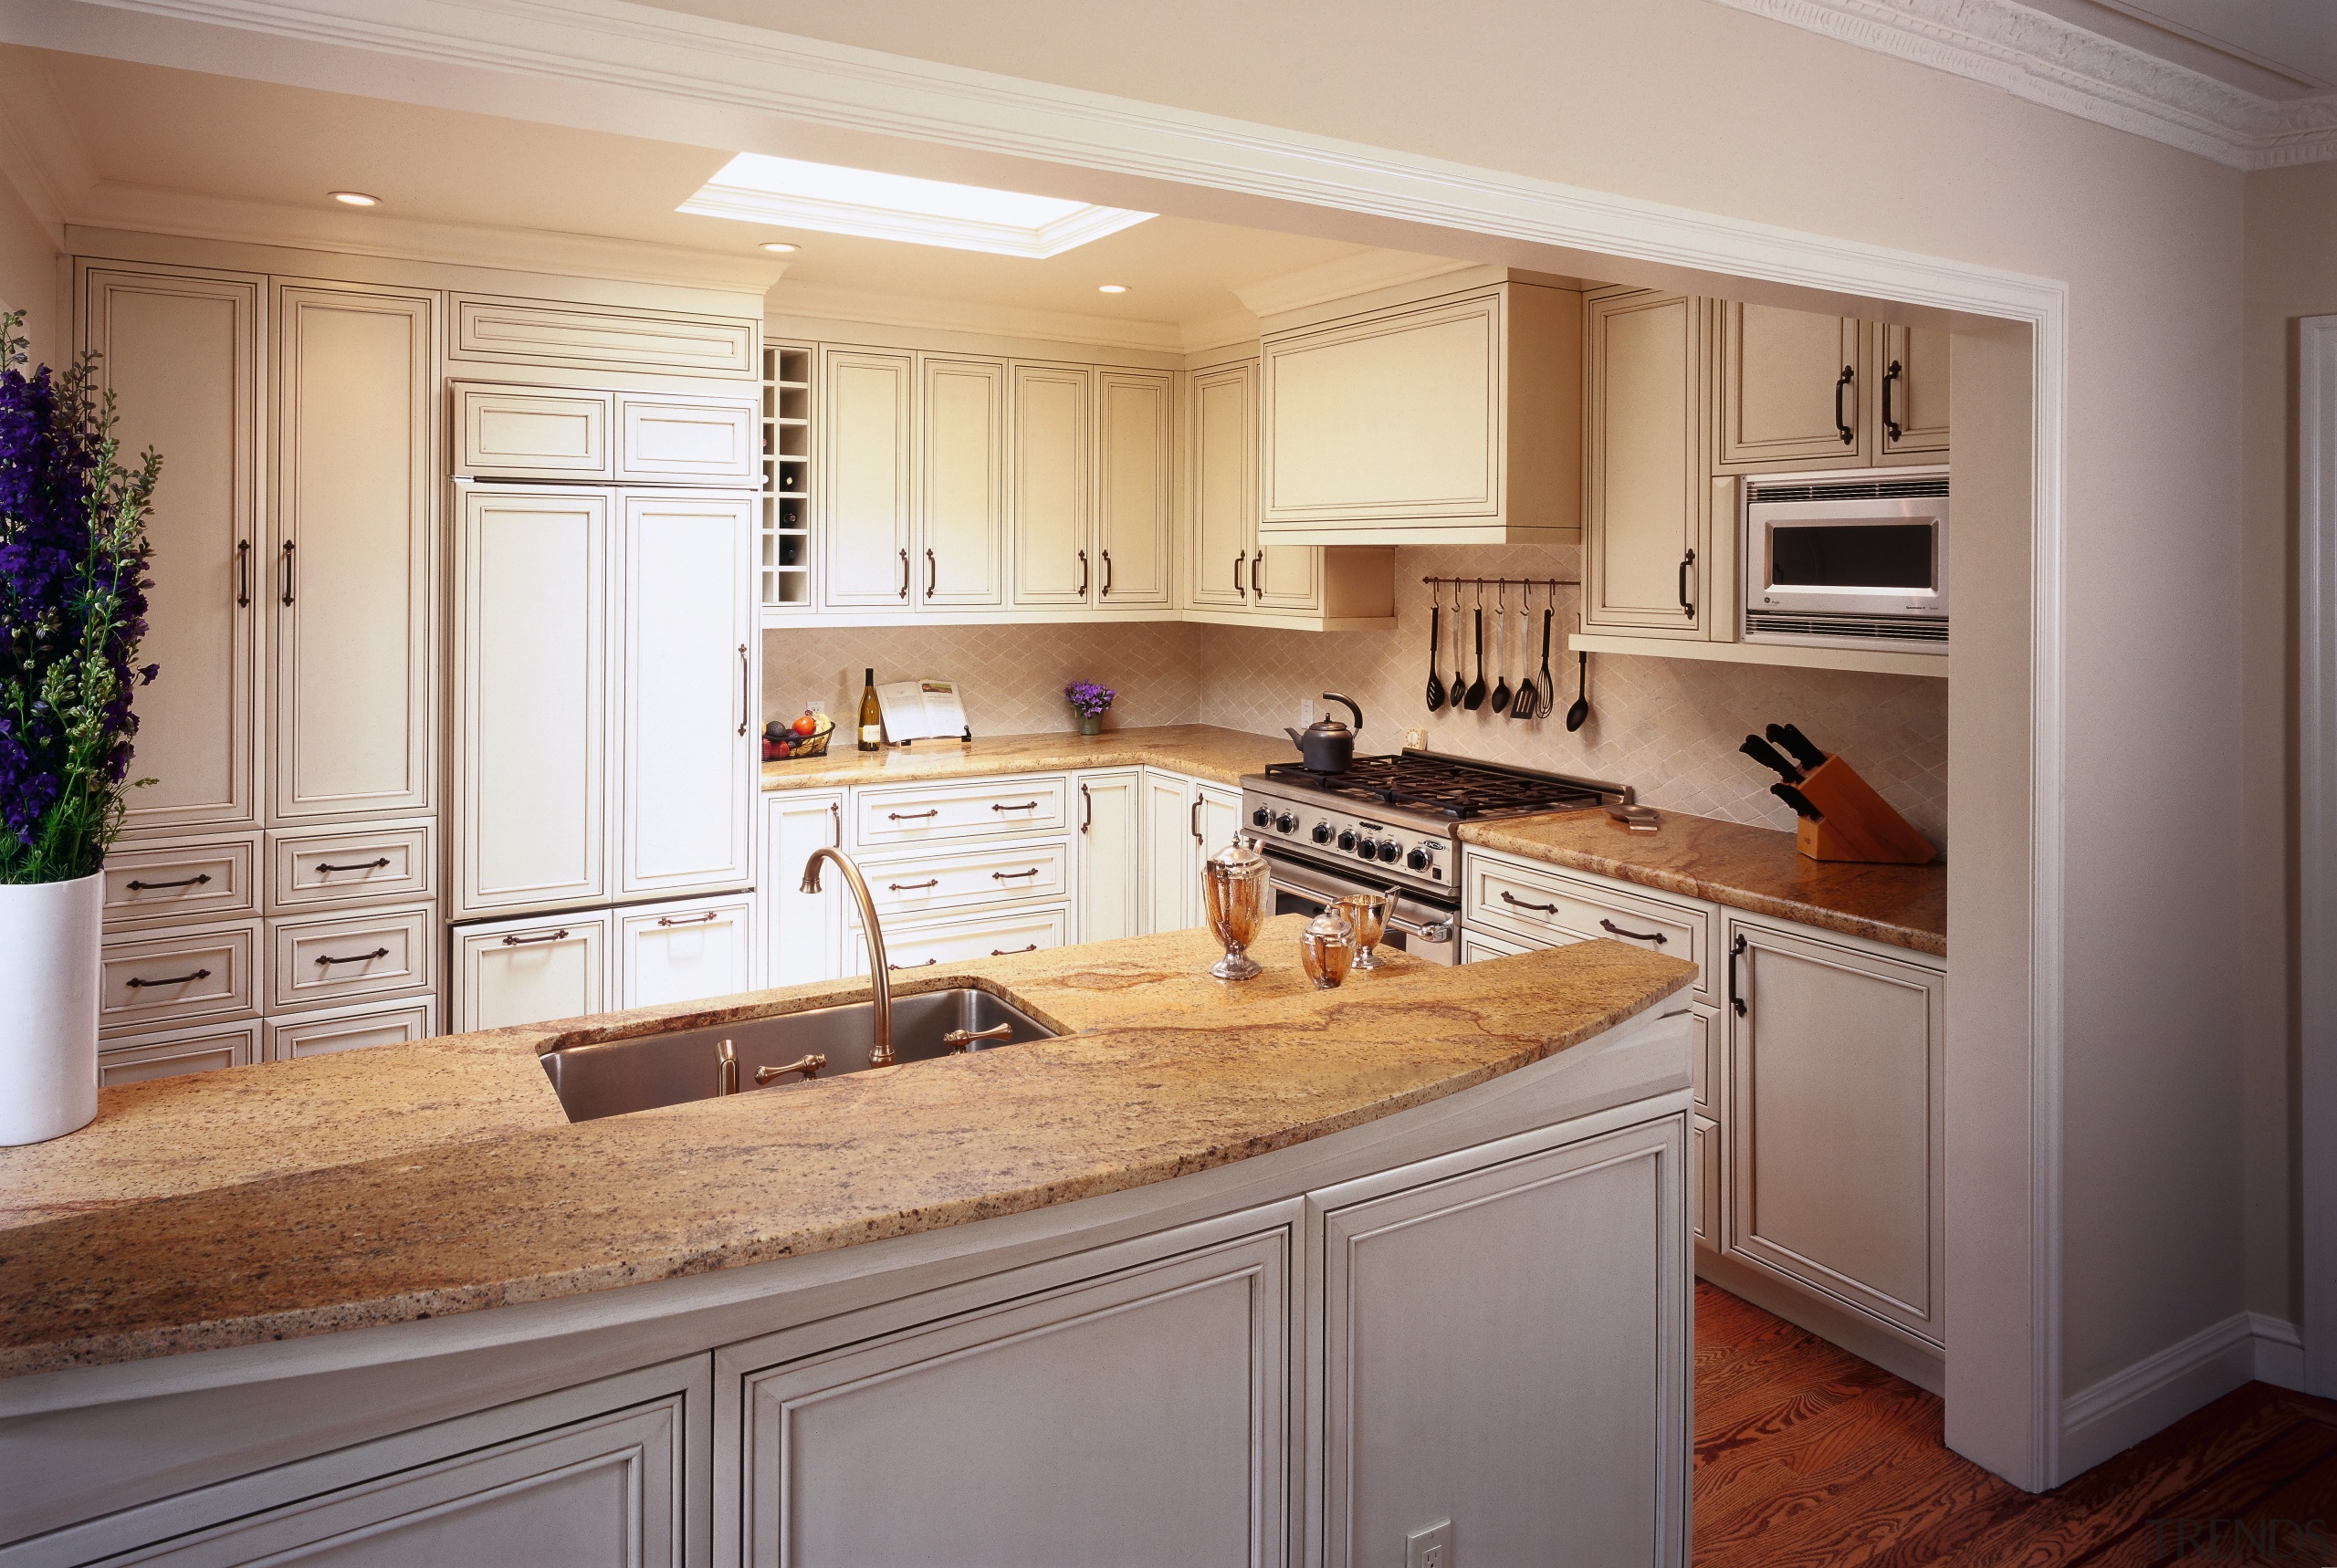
[(1668, 727)]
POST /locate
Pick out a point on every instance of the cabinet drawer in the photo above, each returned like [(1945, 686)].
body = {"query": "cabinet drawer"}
[(603, 337), (1478, 946), (178, 1053), (215, 880), (977, 809), (986, 935), (1553, 908), (374, 866), (351, 1028), (687, 440), (685, 951), (322, 959), (531, 433), (180, 977), (513, 972), (1005, 873)]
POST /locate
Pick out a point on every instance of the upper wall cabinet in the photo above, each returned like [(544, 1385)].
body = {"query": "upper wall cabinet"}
[(353, 565), (1053, 505), (961, 482), (866, 434), (1135, 432), (504, 431), (1645, 553), (1798, 391), (1455, 420), (179, 354), (599, 337)]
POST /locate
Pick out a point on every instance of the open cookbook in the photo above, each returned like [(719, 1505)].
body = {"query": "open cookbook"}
[(922, 710)]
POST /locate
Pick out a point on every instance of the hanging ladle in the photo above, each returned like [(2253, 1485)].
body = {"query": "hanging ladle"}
[(1581, 708), (1502, 692)]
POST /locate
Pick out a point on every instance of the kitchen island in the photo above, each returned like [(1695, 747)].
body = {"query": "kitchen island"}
[(1251, 1271)]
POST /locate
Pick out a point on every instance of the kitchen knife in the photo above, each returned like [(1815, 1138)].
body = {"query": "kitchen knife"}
[(1797, 800), (1768, 756), (1793, 740)]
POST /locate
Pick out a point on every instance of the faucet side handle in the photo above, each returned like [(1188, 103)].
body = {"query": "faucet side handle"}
[(726, 1070)]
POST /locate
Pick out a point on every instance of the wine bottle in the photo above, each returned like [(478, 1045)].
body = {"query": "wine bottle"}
[(872, 717)]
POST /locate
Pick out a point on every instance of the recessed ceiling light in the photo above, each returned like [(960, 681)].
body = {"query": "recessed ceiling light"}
[(1111, 289), (781, 248), (758, 188), (354, 198)]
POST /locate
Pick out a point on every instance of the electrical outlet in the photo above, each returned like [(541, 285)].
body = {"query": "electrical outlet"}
[(1429, 1548), (1305, 711)]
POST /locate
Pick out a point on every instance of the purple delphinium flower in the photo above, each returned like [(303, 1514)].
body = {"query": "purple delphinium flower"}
[(73, 583), (1087, 697)]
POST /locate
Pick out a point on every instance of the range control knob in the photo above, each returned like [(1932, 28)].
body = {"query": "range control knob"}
[(1347, 838), (1416, 860), (1285, 823), (1390, 851), (1322, 833), (1260, 817)]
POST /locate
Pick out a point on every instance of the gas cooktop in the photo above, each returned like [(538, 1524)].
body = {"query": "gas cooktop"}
[(1446, 787)]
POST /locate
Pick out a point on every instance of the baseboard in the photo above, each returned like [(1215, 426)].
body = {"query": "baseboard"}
[(2128, 1406), (1848, 1327)]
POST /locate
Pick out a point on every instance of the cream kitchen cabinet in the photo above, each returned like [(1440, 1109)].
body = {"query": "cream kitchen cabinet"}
[(510, 972), (866, 490), (351, 572), (1798, 390), (685, 951), (1447, 420), (1236, 575), (1052, 510), (1109, 900), (506, 432), (1135, 432), (322, 1033), (1646, 528), (1908, 378), (803, 933), (1186, 820), (961, 483), (179, 350), (168, 1053), (968, 933)]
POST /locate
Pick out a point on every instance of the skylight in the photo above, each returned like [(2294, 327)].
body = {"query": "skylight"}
[(759, 189)]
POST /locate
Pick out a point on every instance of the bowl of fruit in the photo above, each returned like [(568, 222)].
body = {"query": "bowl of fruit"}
[(806, 735)]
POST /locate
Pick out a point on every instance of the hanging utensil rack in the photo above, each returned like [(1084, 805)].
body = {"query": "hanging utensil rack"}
[(1482, 583)]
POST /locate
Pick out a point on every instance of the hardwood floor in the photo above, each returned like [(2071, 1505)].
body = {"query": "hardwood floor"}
[(1808, 1456)]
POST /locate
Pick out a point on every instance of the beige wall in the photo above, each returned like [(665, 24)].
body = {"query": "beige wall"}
[(2291, 272), (28, 278), (1685, 102)]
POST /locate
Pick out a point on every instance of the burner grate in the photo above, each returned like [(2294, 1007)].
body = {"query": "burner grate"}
[(1442, 785)]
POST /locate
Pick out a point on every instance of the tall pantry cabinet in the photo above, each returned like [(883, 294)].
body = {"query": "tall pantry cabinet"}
[(274, 892)]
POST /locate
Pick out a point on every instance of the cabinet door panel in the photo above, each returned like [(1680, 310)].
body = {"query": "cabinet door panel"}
[(179, 354), (864, 476), (1835, 1123), (685, 777), (1172, 852), (1135, 508), (516, 972), (351, 1029), (1648, 488), (177, 1053), (528, 432), (531, 658), (177, 881), (687, 440), (684, 952), (325, 960), (1917, 394), (803, 931), (1779, 372), (1055, 560), (355, 556), (1111, 885), (1225, 485), (1286, 577), (962, 485), (161, 979), (1021, 1414)]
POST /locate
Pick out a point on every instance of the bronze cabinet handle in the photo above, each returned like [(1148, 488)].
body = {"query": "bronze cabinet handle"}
[(745, 685), (1025, 806), (1735, 1001), (809, 1066), (353, 865), (835, 816), (137, 982), (1687, 565), (931, 569), (1238, 589), (913, 816), (197, 880), (1107, 593), (325, 962), (1012, 875), (1841, 424), (1612, 929), (1086, 811), (1083, 574), (1256, 561), (288, 571), (243, 574), (558, 935), (687, 919), (1891, 426), (912, 886), (905, 574), (1516, 903), (927, 964), (1007, 1028), (1193, 822)]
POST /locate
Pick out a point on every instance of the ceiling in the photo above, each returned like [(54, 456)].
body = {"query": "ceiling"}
[(116, 135), (2280, 49)]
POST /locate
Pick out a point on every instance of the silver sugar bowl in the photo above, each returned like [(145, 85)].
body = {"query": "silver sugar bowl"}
[(1236, 884)]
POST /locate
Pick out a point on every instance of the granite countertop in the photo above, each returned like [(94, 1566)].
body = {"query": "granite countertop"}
[(400, 1183), (1754, 868), (1203, 750)]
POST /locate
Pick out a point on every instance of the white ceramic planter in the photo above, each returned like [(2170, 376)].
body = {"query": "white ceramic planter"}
[(48, 1008)]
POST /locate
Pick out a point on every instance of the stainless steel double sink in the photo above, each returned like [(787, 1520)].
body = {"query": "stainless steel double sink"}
[(612, 1077)]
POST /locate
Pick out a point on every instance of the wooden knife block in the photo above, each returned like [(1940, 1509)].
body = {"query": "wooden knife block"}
[(1855, 824)]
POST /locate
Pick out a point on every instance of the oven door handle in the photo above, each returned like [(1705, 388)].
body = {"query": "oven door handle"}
[(1439, 932)]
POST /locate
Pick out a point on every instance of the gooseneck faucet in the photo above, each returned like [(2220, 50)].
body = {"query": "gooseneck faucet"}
[(880, 1053)]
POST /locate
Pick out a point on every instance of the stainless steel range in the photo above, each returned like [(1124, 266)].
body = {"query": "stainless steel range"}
[(1387, 824)]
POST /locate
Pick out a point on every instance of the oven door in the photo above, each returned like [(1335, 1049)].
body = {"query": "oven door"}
[(1418, 926)]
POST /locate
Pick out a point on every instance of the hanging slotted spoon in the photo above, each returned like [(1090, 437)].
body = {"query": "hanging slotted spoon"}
[(1527, 703), (1502, 692)]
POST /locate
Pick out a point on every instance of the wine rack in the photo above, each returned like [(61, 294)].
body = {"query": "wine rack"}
[(786, 532)]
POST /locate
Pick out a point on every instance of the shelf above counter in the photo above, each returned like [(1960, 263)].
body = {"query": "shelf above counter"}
[(1874, 661)]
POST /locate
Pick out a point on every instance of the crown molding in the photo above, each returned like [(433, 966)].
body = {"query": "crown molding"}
[(2055, 63), (1341, 278), (841, 302)]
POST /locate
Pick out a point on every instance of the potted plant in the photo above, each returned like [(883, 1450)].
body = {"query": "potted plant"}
[(73, 585), (1090, 702)]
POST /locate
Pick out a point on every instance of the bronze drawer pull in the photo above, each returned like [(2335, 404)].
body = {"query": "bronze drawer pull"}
[(369, 865), (912, 886), (1083, 574), (243, 574), (1612, 929), (136, 982), (1012, 875), (1010, 952), (911, 816), (1086, 808), (323, 960), (687, 919), (926, 965), (905, 574), (1516, 903), (1107, 575), (1256, 591), (288, 571), (1025, 806), (197, 880), (558, 935), (808, 1066)]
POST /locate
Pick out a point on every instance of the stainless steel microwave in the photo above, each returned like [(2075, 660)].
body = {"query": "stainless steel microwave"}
[(1845, 559)]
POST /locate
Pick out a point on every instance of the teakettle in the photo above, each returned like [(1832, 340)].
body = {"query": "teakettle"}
[(1328, 745)]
